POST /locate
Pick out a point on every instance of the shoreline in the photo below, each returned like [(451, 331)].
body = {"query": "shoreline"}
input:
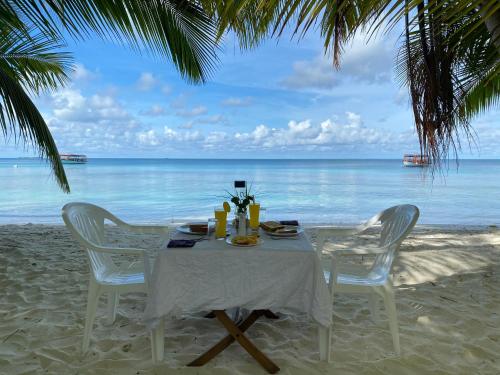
[(306, 225)]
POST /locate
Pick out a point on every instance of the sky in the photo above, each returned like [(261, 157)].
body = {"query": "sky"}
[(283, 99)]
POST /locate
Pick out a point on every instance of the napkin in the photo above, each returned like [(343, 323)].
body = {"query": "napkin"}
[(294, 223), (181, 243)]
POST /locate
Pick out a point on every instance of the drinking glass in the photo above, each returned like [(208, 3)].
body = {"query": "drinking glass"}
[(254, 215), (211, 223), (220, 227)]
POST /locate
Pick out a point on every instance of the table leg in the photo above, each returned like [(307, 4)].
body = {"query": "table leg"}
[(246, 343), (270, 315), (324, 342), (158, 341), (236, 334), (226, 341)]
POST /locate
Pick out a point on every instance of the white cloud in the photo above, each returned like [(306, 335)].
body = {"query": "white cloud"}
[(146, 81), (71, 105), (237, 102), (323, 136), (155, 110), (362, 61), (402, 98), (317, 73), (193, 112), (166, 89), (81, 73), (89, 123), (168, 137), (206, 120), (100, 124)]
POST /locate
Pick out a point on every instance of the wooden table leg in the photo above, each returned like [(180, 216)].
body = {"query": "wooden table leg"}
[(245, 342), (236, 333), (270, 315), (226, 341)]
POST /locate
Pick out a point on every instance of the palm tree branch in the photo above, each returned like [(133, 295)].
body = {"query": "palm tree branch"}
[(19, 115), (177, 29)]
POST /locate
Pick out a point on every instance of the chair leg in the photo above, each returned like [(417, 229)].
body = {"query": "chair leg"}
[(158, 342), (113, 298), (92, 299), (390, 308), (374, 307), (324, 341)]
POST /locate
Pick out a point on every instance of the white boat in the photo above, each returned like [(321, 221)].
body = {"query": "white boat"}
[(415, 160), (73, 158)]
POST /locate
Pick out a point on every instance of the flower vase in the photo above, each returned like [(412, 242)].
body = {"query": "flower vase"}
[(242, 224)]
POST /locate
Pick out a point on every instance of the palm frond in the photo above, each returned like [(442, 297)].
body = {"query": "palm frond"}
[(35, 61), (177, 29), (482, 95), (19, 115)]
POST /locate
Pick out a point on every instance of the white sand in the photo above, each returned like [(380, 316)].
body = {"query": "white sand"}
[(448, 284)]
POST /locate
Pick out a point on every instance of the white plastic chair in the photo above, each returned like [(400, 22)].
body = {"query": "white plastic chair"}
[(396, 223), (86, 223)]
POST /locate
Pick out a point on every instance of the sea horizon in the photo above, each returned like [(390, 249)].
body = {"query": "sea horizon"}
[(213, 158), (337, 191)]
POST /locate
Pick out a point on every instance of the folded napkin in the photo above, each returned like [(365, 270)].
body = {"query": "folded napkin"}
[(181, 243), (294, 223)]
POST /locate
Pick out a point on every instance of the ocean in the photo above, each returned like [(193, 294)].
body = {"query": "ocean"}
[(312, 191)]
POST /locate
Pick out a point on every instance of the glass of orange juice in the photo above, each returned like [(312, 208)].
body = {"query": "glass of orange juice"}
[(220, 227), (254, 215)]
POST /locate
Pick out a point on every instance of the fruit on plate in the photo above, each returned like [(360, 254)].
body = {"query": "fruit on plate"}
[(244, 240)]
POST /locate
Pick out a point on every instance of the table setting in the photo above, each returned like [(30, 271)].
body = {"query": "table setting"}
[(219, 265)]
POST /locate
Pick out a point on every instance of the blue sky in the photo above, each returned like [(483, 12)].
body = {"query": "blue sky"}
[(282, 99)]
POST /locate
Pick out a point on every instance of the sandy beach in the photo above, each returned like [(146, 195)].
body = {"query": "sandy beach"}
[(447, 294)]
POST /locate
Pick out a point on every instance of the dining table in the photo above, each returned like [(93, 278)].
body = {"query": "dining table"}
[(278, 275)]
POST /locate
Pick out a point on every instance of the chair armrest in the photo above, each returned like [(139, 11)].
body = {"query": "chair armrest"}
[(118, 250)]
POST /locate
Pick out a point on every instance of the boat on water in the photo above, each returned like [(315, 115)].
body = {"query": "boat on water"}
[(415, 160), (73, 158)]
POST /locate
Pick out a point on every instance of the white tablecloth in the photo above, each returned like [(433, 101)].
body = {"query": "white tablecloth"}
[(280, 275)]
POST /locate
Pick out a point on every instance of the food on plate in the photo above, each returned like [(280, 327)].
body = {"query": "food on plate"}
[(271, 226), (198, 228), (244, 240), (287, 230)]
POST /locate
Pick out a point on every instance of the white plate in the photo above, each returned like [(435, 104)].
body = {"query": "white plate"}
[(185, 228), (275, 234), (228, 240)]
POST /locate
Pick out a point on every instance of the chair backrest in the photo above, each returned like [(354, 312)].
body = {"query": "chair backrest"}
[(85, 221), (397, 222)]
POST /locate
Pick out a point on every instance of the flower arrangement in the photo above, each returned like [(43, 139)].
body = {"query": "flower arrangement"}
[(241, 199)]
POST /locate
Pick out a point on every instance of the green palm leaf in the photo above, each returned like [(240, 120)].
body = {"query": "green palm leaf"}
[(34, 63), (450, 65), (177, 29), (30, 56), (20, 115)]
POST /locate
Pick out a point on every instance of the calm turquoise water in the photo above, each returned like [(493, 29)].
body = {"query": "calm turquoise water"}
[(337, 191)]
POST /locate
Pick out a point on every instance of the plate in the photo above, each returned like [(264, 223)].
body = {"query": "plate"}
[(275, 234), (186, 230), (228, 240)]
